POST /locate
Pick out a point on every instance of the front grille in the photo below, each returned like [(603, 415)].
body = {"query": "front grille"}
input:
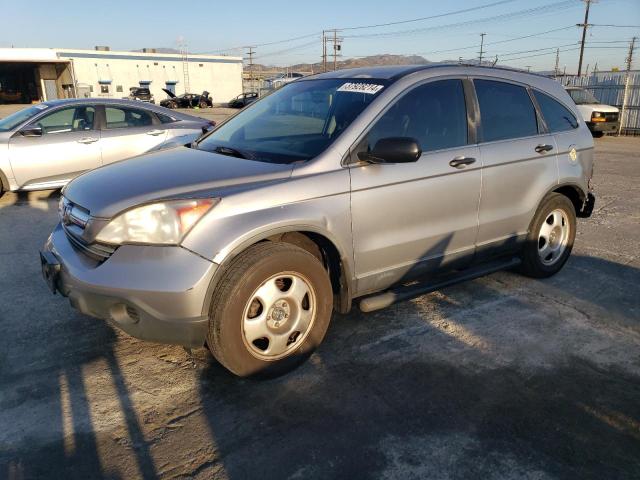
[(97, 251), (611, 116), (74, 220)]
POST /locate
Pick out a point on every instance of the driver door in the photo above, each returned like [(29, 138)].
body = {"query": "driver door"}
[(412, 218), (68, 146)]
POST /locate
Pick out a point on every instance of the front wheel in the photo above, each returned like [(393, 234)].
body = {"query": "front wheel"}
[(270, 310), (550, 238)]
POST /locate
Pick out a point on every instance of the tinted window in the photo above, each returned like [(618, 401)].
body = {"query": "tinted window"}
[(434, 114), (506, 111), (67, 120), (165, 118), (122, 117), (557, 117)]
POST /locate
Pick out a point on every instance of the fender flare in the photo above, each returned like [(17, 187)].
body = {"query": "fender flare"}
[(347, 279)]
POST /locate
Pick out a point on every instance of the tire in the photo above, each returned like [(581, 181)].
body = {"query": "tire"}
[(256, 326), (203, 104), (550, 238)]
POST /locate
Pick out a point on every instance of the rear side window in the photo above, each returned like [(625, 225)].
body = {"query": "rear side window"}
[(122, 117), (165, 118), (434, 114), (557, 117), (506, 111)]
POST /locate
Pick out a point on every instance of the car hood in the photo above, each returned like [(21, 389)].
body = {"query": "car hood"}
[(598, 107), (169, 92), (175, 173)]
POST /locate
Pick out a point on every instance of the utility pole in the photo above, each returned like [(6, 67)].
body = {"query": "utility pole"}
[(625, 98), (481, 47), (555, 69), (528, 67), (495, 61), (249, 57), (337, 47), (584, 26), (324, 51)]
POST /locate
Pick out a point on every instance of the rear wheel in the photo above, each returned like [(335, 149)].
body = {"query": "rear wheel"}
[(550, 238), (270, 311)]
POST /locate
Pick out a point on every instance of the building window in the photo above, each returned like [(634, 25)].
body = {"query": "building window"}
[(201, 65), (104, 88), (155, 63), (118, 88), (91, 88)]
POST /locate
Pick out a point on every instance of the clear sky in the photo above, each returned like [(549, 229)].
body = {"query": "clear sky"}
[(215, 26)]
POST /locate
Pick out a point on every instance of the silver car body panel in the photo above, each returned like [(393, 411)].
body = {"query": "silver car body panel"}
[(388, 222)]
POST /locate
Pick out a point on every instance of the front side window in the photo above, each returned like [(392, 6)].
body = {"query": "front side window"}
[(434, 114), (506, 111), (123, 117), (73, 119), (295, 123), (557, 117)]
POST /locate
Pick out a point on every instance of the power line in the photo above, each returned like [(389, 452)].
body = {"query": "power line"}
[(549, 8), (456, 12)]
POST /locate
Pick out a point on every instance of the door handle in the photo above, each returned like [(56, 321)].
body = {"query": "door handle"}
[(461, 162), (543, 147), (87, 140), (155, 132)]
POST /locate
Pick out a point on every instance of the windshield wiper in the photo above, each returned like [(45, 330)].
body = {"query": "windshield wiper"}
[(232, 152)]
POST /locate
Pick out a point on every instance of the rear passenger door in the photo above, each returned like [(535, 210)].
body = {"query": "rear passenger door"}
[(518, 164), (411, 218), (128, 132)]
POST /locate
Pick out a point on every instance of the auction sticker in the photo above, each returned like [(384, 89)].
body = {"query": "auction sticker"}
[(356, 87), (41, 106)]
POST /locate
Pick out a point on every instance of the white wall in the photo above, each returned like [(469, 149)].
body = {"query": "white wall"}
[(220, 76)]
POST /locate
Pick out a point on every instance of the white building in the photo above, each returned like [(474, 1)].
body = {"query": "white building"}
[(38, 74)]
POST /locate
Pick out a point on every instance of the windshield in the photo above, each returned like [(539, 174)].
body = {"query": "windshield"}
[(12, 121), (582, 97), (295, 123)]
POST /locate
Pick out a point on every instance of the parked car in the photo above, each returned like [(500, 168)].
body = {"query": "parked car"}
[(142, 94), (46, 145), (282, 79), (344, 185), (600, 118), (186, 100), (243, 100)]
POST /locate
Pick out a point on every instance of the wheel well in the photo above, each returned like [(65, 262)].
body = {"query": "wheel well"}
[(4, 183), (574, 194), (327, 253)]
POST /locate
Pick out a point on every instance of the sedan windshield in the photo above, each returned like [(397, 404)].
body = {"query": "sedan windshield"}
[(15, 119), (582, 97), (295, 123)]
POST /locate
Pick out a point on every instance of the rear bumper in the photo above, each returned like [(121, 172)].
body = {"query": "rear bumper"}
[(152, 293), (606, 127)]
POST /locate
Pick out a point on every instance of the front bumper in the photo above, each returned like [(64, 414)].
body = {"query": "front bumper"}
[(606, 127), (154, 293)]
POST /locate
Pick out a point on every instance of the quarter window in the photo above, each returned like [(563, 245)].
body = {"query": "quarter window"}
[(506, 111), (434, 114), (67, 120), (121, 117), (557, 117)]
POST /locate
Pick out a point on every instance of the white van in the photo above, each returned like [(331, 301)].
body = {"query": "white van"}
[(599, 118)]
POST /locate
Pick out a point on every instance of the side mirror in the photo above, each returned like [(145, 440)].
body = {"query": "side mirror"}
[(31, 131), (393, 150)]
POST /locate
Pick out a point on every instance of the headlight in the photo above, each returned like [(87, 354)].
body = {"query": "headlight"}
[(164, 223), (597, 117)]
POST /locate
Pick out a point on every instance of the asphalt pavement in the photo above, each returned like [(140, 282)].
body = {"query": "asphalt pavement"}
[(503, 377)]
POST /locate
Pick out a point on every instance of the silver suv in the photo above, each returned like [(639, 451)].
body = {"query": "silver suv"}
[(339, 186)]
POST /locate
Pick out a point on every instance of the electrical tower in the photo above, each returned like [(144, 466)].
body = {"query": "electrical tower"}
[(481, 47), (556, 71), (184, 55), (584, 26)]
